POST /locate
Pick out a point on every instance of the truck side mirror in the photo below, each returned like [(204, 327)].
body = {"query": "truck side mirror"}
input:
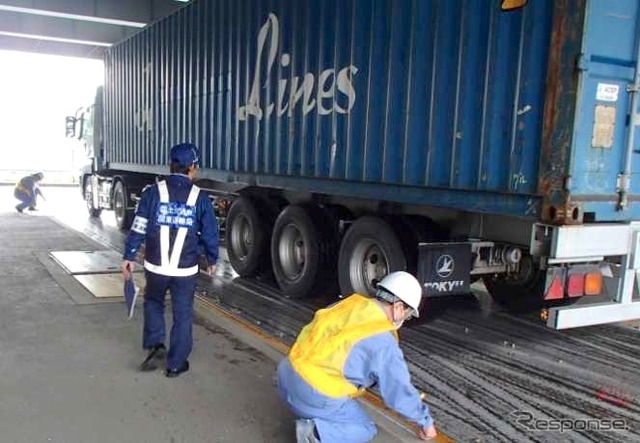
[(70, 123), (512, 5)]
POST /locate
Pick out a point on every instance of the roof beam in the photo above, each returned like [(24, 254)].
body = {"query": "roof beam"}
[(55, 39), (54, 29), (78, 17), (77, 28), (8, 43)]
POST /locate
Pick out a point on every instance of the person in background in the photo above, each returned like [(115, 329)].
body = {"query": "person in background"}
[(27, 191), (348, 347), (173, 218)]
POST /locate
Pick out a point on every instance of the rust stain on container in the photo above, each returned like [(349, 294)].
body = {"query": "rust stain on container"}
[(562, 87)]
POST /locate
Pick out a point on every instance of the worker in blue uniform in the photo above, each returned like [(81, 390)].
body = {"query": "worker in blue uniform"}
[(27, 191), (173, 218), (348, 347)]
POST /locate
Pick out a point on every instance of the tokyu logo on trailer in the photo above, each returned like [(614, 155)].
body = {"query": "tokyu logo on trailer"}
[(445, 266), (308, 91)]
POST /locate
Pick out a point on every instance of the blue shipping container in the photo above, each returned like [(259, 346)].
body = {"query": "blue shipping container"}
[(449, 103)]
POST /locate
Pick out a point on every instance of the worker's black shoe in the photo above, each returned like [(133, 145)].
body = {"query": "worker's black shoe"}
[(32, 208), (172, 373), (155, 355), (19, 209)]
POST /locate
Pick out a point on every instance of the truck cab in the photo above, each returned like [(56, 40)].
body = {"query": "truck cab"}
[(101, 186)]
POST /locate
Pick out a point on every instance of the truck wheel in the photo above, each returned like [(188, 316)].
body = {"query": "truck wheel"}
[(88, 198), (520, 293), (248, 230), (369, 251), (124, 216), (304, 246)]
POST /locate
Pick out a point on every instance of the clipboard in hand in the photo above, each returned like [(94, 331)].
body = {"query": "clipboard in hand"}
[(130, 294)]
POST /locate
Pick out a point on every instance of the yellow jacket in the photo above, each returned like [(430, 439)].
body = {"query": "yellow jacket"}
[(321, 350)]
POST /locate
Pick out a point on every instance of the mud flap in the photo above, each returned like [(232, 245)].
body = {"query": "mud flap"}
[(444, 268)]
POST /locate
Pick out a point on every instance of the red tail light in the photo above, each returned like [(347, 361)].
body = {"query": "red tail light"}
[(575, 285), (555, 291)]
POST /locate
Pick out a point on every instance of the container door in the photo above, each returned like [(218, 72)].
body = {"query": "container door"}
[(605, 119)]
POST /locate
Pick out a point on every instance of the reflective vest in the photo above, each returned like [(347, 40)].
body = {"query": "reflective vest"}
[(166, 218), (22, 188), (322, 348)]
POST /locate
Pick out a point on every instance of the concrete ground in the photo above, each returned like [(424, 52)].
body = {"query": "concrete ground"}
[(68, 363), (477, 363), (69, 371)]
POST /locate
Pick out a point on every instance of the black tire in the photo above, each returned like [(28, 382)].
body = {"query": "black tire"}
[(517, 297), (248, 233), (411, 230), (124, 216), (521, 293), (409, 238), (304, 246), (370, 249), (88, 198)]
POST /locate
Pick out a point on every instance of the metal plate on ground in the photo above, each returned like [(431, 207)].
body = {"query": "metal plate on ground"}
[(107, 285), (90, 262)]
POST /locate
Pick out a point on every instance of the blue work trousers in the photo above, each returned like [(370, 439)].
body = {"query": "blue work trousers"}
[(339, 420), (181, 339), (28, 201)]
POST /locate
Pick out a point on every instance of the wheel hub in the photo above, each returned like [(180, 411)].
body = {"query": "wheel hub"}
[(368, 265), (292, 252), (241, 237)]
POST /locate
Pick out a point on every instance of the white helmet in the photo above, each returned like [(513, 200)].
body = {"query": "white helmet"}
[(404, 286)]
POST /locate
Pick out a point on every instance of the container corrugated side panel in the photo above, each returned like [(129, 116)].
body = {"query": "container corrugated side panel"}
[(438, 94)]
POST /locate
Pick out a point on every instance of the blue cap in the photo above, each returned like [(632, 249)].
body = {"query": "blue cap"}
[(184, 154)]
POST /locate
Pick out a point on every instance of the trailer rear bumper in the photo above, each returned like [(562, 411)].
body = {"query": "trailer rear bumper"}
[(596, 314), (617, 245)]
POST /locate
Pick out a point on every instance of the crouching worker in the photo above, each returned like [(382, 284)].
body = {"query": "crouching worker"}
[(348, 347), (27, 191)]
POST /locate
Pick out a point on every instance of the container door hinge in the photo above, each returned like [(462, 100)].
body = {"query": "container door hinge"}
[(622, 187)]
